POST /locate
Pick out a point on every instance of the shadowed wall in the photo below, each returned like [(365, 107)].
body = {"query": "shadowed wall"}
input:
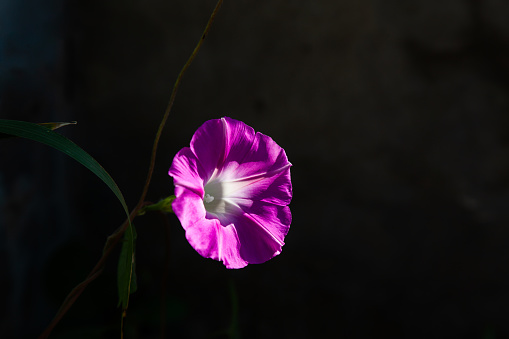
[(394, 115)]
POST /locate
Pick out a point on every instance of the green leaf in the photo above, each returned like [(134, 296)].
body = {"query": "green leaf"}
[(49, 125), (45, 135), (126, 277), (55, 125)]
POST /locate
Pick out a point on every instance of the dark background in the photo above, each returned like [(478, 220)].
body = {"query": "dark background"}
[(395, 115)]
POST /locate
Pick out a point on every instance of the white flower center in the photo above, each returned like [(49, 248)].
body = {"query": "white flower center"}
[(213, 198), (221, 198), (208, 198)]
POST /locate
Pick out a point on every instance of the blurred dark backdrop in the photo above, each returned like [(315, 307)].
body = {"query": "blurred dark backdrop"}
[(395, 115)]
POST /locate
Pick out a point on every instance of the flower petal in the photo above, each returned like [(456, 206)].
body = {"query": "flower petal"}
[(229, 245), (235, 150), (187, 171), (268, 225), (206, 236), (275, 189), (273, 219), (238, 142), (279, 192), (208, 144), (263, 158)]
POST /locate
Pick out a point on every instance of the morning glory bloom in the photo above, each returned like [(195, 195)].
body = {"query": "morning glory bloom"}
[(232, 189)]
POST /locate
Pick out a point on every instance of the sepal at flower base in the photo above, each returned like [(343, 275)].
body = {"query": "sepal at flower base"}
[(163, 205)]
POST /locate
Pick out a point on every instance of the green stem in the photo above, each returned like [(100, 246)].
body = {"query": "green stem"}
[(114, 238), (172, 100)]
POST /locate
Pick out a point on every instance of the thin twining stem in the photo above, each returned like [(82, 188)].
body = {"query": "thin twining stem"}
[(114, 238), (94, 273), (172, 99)]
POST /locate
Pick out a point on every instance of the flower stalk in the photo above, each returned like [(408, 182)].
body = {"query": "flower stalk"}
[(115, 237), (163, 205)]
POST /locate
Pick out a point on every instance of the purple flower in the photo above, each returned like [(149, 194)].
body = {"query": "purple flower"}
[(232, 189)]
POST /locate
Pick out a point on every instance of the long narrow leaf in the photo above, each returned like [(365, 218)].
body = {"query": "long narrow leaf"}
[(126, 276), (44, 134), (50, 125)]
